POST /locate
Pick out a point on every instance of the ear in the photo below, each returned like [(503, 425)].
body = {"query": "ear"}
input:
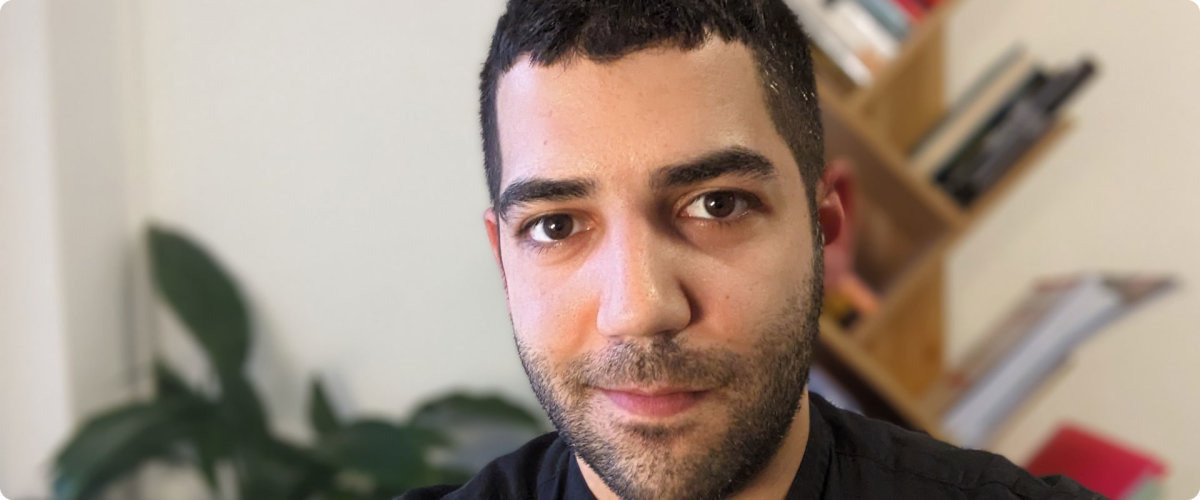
[(835, 211), (492, 224)]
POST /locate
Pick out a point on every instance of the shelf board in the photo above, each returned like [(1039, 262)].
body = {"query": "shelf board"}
[(905, 335), (876, 389), (917, 204)]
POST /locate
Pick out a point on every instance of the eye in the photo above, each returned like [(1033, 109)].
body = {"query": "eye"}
[(717, 205), (553, 227)]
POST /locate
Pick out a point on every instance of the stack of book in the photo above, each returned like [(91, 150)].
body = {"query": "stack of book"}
[(860, 36), (1000, 117), (1021, 353)]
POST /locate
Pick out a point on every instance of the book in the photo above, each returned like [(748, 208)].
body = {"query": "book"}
[(999, 85), (1112, 469), (964, 155), (889, 15), (1021, 129), (845, 57), (853, 23), (848, 36), (1003, 338), (914, 10), (979, 394), (1029, 118)]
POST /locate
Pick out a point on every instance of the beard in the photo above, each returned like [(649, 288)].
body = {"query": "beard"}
[(755, 397)]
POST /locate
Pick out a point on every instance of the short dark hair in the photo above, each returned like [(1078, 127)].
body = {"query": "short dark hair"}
[(550, 31)]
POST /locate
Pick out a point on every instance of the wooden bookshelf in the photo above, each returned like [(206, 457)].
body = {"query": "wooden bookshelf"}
[(906, 226), (879, 393)]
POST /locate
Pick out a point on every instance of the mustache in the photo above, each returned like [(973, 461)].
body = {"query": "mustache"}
[(661, 362)]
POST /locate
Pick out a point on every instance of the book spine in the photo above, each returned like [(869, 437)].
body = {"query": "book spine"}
[(958, 164), (915, 11), (1010, 58), (843, 55), (991, 170), (1010, 396), (999, 344), (1029, 121), (1024, 126), (852, 20), (1064, 86), (889, 15), (1088, 305)]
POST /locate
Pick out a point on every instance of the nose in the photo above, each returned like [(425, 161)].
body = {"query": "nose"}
[(641, 294)]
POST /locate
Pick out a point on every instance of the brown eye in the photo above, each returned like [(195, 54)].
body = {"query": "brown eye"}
[(717, 205), (551, 228), (720, 205)]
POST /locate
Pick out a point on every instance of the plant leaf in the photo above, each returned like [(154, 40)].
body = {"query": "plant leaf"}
[(274, 468), (266, 476), (204, 298), (291, 471), (320, 410), (461, 406), (392, 456), (115, 443), (242, 409), (168, 384), (206, 439), (207, 456), (212, 443)]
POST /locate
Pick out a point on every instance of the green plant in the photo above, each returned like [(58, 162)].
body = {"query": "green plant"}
[(224, 426)]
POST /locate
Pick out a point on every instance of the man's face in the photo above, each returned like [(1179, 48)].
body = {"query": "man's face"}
[(662, 278)]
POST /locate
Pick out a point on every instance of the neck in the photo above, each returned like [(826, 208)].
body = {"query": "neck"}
[(772, 481)]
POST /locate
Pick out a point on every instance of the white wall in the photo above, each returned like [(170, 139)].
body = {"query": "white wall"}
[(1117, 193), (328, 152), (96, 135), (33, 416), (68, 303)]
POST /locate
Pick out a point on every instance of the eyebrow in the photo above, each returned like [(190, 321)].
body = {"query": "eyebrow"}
[(734, 160), (530, 190)]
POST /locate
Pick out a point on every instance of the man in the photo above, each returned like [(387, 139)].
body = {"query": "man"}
[(659, 215)]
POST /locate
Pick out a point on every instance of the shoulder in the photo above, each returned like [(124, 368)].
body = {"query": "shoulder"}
[(516, 475), (915, 465)]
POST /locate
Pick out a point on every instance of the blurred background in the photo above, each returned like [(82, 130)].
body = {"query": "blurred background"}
[(327, 154)]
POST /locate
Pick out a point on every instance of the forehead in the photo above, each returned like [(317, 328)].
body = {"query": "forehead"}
[(619, 119)]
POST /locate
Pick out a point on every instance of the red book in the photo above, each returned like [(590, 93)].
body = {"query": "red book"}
[(1099, 464), (914, 10)]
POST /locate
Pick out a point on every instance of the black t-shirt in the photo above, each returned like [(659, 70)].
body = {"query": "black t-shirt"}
[(848, 456)]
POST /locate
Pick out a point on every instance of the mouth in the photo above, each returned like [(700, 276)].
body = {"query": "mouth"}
[(660, 402)]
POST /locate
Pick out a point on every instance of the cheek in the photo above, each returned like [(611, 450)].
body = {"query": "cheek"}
[(738, 294), (549, 314)]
